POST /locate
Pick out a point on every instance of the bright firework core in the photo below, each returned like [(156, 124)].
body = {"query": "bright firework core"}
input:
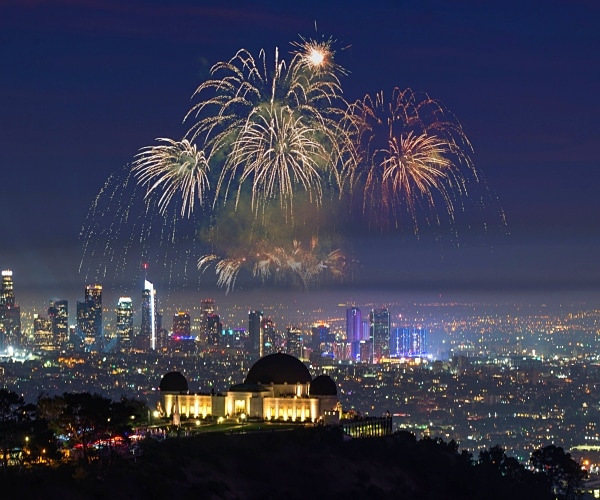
[(316, 57)]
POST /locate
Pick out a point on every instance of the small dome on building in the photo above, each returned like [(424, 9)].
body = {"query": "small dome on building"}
[(323, 385), (173, 382), (278, 368)]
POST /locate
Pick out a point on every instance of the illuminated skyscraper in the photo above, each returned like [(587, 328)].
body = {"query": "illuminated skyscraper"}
[(10, 314), (125, 324), (89, 318), (269, 337), (42, 333), (58, 314), (148, 326), (207, 309), (294, 342), (409, 342), (354, 331), (379, 320), (256, 333)]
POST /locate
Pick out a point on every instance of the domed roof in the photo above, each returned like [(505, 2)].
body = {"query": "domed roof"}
[(278, 368), (173, 382), (323, 385)]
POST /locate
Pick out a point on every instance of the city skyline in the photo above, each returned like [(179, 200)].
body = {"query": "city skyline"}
[(84, 96)]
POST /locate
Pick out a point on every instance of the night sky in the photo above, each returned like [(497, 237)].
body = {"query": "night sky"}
[(85, 84)]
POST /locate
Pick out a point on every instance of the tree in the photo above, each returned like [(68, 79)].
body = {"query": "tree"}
[(11, 432), (564, 475)]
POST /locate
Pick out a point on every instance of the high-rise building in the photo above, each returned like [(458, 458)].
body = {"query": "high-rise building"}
[(148, 326), (379, 320), (294, 342), (207, 310), (256, 333), (125, 324), (89, 318), (182, 325), (408, 342), (58, 314), (214, 327), (182, 340), (269, 337), (10, 314), (354, 331), (42, 333)]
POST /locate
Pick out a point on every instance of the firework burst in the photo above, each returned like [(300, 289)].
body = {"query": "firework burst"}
[(305, 265), (414, 153), (276, 128), (176, 167)]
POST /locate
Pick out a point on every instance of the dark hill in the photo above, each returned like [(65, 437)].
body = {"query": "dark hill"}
[(300, 464)]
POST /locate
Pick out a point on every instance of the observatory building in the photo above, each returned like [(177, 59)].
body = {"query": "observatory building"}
[(277, 387)]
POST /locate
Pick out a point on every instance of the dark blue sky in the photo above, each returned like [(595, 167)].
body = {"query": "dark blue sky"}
[(84, 84)]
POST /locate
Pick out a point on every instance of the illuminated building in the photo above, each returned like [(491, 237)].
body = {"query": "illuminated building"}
[(354, 325), (408, 342), (58, 313), (10, 314), (42, 333), (379, 320), (207, 310), (277, 387), (294, 342), (181, 336), (148, 325), (255, 333), (269, 337), (89, 318), (125, 324)]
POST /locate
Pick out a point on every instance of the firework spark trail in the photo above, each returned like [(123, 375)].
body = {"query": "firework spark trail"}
[(125, 228)]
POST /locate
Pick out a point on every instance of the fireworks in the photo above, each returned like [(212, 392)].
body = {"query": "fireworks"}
[(274, 158), (297, 263), (277, 127), (124, 229), (174, 167), (413, 153)]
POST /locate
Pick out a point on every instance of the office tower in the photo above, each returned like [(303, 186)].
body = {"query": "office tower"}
[(10, 314), (125, 324), (354, 325), (207, 309), (58, 314), (409, 342), (182, 340), (269, 336), (379, 320), (89, 318), (214, 327), (322, 339), (43, 338), (256, 333), (294, 342), (148, 327), (182, 326)]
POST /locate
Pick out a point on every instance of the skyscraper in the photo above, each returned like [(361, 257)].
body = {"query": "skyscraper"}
[(294, 342), (89, 318), (354, 331), (409, 342), (256, 333), (58, 314), (10, 314), (125, 324), (207, 309), (42, 333), (379, 320), (148, 326)]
